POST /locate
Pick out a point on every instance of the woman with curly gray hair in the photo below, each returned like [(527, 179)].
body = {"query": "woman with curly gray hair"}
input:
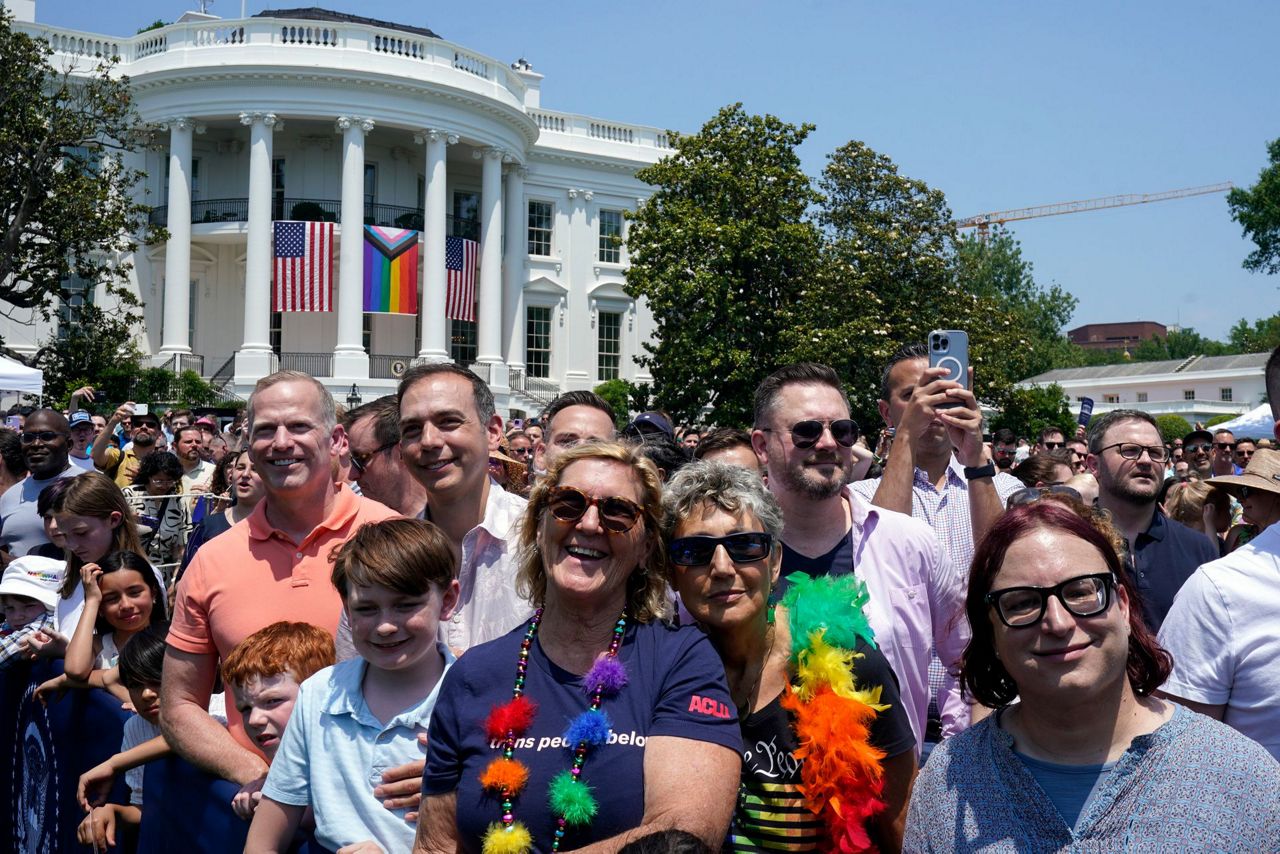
[(645, 701)]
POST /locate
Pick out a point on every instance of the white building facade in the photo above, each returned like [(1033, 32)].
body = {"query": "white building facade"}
[(362, 122), (1197, 388)]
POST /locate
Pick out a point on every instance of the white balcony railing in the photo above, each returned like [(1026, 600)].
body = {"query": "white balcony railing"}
[(551, 121)]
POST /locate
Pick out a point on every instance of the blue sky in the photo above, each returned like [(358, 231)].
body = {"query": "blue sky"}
[(999, 104)]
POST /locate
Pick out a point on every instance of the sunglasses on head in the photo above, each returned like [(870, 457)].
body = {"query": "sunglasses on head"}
[(1032, 494), (807, 433), (617, 514), (741, 548)]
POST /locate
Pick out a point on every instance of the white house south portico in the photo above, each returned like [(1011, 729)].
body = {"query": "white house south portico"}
[(357, 122)]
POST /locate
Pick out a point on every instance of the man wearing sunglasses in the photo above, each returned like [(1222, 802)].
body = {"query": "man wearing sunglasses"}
[(804, 437), (1224, 454), (1051, 439), (46, 443), (1127, 456), (377, 465), (1197, 450)]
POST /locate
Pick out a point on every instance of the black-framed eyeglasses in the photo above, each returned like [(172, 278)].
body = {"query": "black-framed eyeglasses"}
[(1082, 596), (807, 433), (1133, 451), (361, 461), (521, 452), (1197, 447), (617, 514), (746, 547), (45, 436), (1032, 494)]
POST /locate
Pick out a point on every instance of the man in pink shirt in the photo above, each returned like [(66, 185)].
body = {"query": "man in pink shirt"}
[(272, 566)]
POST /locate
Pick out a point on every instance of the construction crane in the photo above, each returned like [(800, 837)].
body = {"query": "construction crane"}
[(983, 222)]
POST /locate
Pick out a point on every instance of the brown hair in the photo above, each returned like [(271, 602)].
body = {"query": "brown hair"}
[(94, 494), (299, 649), (409, 556), (647, 585), (1185, 501)]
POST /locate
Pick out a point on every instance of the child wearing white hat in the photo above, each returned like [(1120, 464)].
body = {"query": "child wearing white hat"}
[(28, 596)]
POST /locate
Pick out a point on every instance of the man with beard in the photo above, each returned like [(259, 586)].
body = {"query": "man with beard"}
[(1004, 447), (1197, 450), (119, 465), (804, 437), (45, 445), (197, 475), (1127, 455)]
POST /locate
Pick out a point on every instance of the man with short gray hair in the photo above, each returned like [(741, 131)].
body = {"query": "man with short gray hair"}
[(1127, 456)]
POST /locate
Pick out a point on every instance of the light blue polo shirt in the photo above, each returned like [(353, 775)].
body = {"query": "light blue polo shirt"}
[(334, 752)]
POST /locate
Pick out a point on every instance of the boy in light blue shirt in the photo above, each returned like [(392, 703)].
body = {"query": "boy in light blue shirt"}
[(360, 717)]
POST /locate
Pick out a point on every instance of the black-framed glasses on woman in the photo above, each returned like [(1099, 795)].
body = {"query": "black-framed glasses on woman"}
[(1082, 596), (1133, 451)]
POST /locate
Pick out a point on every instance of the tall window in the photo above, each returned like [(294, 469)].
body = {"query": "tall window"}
[(366, 337), (79, 293), (277, 331), (277, 188), (195, 178), (1111, 398), (537, 341), (611, 237), (193, 299), (370, 186), (540, 214), (1225, 395), (466, 215), (609, 341), (462, 341)]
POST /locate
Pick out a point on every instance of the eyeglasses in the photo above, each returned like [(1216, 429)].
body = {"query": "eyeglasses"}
[(1052, 446), (1032, 494), (1197, 447), (521, 452), (361, 461), (742, 548), (45, 436), (1082, 596), (617, 515), (1225, 446), (806, 434), (1133, 451)]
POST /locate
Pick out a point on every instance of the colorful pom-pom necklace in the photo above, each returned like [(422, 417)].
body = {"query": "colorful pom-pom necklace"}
[(570, 798)]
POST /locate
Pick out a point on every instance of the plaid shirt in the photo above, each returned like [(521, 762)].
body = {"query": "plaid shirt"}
[(10, 638)]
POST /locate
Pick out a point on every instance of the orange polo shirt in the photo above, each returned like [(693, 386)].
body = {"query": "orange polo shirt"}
[(254, 575)]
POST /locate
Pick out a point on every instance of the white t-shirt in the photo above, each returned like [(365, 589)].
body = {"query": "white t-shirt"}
[(85, 463), (1224, 634), (137, 730)]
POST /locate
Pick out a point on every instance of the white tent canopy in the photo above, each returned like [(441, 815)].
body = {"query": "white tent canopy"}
[(1253, 424), (15, 376)]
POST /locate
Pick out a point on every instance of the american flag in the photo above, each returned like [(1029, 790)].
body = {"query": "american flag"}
[(304, 266), (460, 256)]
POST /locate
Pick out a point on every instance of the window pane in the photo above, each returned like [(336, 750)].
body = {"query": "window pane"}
[(540, 214), (1225, 395), (370, 185), (537, 341), (462, 341), (611, 237), (277, 188), (610, 341)]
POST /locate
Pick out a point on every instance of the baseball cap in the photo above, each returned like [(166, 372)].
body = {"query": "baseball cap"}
[(1197, 436), (649, 422), (205, 421), (80, 417), (36, 577)]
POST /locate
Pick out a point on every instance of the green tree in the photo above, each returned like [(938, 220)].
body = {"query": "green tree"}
[(97, 349), (1178, 344), (1257, 209), (67, 199), (1219, 419), (618, 395), (1262, 336), (721, 252), (1172, 427), (1027, 411)]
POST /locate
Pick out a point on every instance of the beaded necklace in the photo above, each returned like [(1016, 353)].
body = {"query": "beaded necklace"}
[(570, 798)]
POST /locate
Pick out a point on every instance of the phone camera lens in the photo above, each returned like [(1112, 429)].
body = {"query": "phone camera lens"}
[(944, 341)]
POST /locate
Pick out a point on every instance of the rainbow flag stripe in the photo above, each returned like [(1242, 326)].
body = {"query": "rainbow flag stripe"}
[(390, 270)]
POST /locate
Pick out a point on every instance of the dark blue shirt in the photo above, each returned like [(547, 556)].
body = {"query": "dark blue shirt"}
[(1161, 560)]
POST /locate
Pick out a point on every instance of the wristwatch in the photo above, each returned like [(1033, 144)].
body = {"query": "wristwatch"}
[(989, 470)]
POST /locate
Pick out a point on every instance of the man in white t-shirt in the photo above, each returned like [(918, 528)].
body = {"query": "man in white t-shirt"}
[(83, 432), (1221, 630)]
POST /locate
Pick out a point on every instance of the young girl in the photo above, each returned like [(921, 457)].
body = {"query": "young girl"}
[(353, 720)]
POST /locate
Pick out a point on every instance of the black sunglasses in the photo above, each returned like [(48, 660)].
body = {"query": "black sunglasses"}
[(1197, 447), (742, 548), (1082, 596), (45, 436), (1053, 446), (361, 461), (1225, 446), (617, 514), (805, 434)]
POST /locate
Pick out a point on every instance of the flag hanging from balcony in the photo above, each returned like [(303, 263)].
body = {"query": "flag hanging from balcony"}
[(460, 259), (390, 270), (303, 266)]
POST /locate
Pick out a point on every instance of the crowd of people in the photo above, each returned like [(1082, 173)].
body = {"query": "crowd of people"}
[(418, 625)]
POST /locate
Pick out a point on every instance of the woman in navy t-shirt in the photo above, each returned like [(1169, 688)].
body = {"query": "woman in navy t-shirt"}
[(596, 720)]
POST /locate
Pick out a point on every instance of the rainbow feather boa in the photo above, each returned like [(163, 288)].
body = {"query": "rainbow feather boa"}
[(841, 775)]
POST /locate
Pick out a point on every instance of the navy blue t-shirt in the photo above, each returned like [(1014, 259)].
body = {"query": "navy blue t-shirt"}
[(1162, 560), (676, 687)]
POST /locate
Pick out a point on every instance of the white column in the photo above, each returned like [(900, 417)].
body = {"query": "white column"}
[(513, 269), (489, 328), (253, 359), (350, 361), (577, 342), (177, 253), (435, 326)]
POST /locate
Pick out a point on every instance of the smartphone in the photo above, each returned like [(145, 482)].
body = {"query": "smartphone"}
[(1086, 411), (949, 348), (13, 422), (141, 409)]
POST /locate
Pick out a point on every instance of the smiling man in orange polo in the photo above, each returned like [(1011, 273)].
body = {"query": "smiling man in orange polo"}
[(272, 566)]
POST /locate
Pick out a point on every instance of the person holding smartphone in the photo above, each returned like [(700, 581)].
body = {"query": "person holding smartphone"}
[(144, 431)]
